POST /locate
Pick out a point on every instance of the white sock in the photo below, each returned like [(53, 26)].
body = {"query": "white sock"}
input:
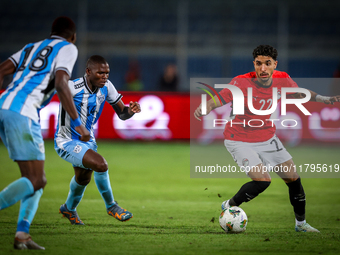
[(226, 205), (298, 223)]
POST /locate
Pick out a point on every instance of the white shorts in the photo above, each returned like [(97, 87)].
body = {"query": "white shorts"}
[(247, 155)]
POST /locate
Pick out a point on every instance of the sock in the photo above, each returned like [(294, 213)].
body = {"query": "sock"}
[(298, 223), (249, 191), (297, 199), (103, 184), (15, 192), (28, 208), (75, 194), (227, 204), (231, 202)]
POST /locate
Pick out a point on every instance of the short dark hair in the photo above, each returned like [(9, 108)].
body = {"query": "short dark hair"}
[(95, 59), (265, 50), (63, 26)]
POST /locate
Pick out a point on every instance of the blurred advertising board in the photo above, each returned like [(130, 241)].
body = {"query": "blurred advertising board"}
[(167, 116)]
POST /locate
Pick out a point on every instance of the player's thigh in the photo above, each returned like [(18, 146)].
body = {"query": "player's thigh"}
[(243, 154), (22, 136), (95, 161), (273, 153), (73, 151)]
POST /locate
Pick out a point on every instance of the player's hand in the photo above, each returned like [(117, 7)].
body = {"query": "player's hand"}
[(198, 113), (134, 107), (84, 133), (332, 100)]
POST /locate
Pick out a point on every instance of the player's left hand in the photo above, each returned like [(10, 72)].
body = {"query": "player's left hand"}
[(134, 107), (332, 100)]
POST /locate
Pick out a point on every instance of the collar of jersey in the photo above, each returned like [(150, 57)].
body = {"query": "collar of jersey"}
[(88, 88), (58, 37), (260, 85)]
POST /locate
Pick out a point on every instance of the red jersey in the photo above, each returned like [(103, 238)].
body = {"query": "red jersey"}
[(240, 128)]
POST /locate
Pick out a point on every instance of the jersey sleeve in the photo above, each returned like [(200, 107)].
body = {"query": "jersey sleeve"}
[(71, 85), (291, 83), (66, 58), (15, 58), (286, 80), (113, 96)]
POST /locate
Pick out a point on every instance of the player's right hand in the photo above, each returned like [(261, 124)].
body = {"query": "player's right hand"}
[(84, 133), (198, 113)]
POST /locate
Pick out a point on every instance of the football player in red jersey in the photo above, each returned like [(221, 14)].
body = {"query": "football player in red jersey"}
[(257, 149)]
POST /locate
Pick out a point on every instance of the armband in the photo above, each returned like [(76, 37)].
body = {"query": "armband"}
[(321, 99), (76, 122), (124, 115)]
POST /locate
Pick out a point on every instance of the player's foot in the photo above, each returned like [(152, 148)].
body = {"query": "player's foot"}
[(225, 205), (119, 213), (71, 215), (26, 244), (305, 227)]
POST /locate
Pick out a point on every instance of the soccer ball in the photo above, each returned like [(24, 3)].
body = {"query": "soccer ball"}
[(233, 220)]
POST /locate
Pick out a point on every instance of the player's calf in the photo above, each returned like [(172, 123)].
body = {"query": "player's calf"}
[(249, 191), (297, 199)]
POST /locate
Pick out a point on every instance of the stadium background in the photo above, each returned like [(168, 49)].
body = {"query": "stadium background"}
[(203, 39)]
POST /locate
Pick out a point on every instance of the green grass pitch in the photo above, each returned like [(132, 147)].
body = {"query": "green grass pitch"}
[(172, 212)]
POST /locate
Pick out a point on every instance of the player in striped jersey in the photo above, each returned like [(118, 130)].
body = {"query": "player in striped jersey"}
[(89, 94), (38, 70)]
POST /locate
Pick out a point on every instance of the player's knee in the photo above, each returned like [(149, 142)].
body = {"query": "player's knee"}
[(290, 180), (83, 180), (39, 183), (102, 166)]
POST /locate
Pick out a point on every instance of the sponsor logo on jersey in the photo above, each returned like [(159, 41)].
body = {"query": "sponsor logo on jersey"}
[(79, 85)]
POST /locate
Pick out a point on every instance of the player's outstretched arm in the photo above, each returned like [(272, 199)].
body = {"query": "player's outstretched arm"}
[(210, 106), (66, 99), (7, 67), (124, 112), (315, 97)]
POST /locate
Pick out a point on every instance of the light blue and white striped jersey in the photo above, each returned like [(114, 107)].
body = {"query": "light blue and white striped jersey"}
[(33, 80), (89, 105)]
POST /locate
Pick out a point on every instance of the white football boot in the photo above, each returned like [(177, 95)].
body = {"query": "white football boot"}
[(305, 227), (225, 205)]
